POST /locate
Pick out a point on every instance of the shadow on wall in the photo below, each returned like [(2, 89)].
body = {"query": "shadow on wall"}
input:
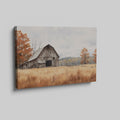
[(13, 64)]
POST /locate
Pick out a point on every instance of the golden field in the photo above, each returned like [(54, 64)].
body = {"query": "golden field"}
[(40, 77)]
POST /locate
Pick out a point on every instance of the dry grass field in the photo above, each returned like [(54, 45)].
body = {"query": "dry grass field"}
[(40, 77)]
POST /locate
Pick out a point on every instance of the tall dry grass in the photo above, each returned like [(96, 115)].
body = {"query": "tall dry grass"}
[(40, 77)]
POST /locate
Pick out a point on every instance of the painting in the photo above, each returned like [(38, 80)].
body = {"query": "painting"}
[(50, 56)]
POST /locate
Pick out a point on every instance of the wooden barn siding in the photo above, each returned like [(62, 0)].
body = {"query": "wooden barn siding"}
[(32, 64), (40, 61), (49, 54)]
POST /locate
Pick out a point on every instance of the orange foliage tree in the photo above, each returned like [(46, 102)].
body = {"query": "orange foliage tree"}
[(94, 54), (84, 56), (23, 48)]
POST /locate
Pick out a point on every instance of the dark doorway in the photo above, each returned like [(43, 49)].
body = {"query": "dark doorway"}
[(48, 63)]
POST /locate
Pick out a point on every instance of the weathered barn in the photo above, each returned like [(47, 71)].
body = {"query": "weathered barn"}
[(43, 57)]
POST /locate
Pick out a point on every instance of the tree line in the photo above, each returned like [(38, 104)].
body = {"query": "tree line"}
[(85, 56)]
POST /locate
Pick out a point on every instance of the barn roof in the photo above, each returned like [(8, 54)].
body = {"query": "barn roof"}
[(37, 53)]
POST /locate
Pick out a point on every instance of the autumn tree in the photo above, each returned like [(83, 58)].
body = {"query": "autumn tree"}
[(84, 56), (23, 48), (94, 54)]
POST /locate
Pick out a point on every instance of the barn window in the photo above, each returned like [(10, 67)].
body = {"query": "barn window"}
[(53, 58)]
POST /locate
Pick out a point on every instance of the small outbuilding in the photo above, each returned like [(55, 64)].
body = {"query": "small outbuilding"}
[(43, 57)]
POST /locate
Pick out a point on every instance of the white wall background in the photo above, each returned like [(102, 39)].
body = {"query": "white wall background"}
[(95, 101)]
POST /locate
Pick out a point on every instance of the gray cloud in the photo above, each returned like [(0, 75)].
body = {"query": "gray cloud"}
[(68, 41)]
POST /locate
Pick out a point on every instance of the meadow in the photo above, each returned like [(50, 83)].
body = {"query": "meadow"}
[(50, 76)]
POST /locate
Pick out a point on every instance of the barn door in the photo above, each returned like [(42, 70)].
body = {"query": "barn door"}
[(48, 63)]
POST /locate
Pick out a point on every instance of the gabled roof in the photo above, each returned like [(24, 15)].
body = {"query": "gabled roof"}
[(38, 52)]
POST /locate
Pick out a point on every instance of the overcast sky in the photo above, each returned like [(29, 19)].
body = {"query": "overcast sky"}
[(67, 41)]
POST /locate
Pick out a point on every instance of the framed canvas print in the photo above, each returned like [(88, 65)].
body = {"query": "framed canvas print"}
[(49, 56)]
